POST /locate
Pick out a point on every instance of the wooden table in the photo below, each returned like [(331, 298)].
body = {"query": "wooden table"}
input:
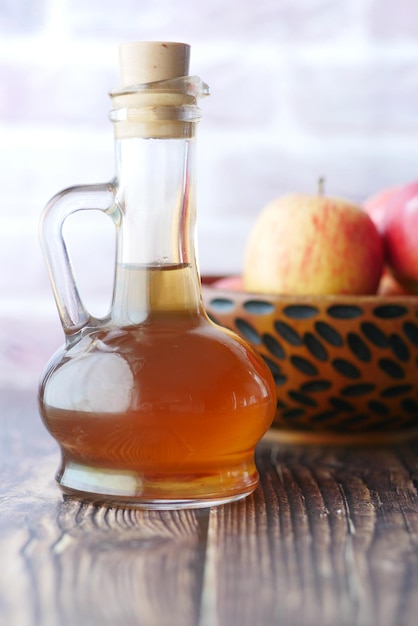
[(330, 538)]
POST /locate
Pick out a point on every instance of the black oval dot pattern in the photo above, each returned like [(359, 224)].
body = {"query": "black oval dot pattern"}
[(315, 386), (303, 365), (315, 347), (390, 311), (396, 391), (374, 334), (344, 312), (300, 311), (259, 307), (329, 334), (222, 305), (346, 368), (308, 349), (358, 347), (288, 333), (248, 331), (303, 398), (274, 346), (411, 331), (279, 377), (378, 407), (399, 347), (341, 405), (360, 389)]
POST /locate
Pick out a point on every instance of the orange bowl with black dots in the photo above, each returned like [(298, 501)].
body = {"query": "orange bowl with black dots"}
[(345, 367)]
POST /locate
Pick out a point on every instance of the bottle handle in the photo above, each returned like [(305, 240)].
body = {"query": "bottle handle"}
[(73, 314)]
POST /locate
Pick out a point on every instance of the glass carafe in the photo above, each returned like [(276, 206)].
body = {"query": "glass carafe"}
[(153, 405)]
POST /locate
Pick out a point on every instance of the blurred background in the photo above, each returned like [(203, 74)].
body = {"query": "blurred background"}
[(300, 89)]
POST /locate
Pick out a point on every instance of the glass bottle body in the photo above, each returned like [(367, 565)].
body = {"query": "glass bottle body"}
[(170, 415)]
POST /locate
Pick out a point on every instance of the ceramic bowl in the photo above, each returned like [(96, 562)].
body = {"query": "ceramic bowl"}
[(345, 367)]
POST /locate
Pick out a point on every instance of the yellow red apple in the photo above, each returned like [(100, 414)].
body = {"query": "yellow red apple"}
[(314, 245)]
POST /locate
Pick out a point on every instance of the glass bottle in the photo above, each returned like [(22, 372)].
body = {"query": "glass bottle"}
[(153, 405)]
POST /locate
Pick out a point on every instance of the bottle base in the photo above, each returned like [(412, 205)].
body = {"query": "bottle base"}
[(123, 488)]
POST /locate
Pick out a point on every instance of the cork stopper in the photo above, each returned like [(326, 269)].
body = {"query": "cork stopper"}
[(150, 61), (157, 98)]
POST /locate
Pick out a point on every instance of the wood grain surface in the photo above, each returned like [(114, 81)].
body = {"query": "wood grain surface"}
[(330, 537)]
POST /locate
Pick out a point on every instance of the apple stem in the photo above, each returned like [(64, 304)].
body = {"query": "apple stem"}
[(321, 186)]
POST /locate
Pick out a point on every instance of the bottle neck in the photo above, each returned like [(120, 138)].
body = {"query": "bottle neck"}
[(156, 266), (156, 196)]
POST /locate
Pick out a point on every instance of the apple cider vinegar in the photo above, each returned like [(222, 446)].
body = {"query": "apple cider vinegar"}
[(153, 406)]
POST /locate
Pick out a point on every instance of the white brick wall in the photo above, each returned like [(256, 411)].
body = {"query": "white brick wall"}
[(300, 89)]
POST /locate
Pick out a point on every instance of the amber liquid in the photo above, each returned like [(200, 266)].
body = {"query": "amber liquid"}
[(165, 411)]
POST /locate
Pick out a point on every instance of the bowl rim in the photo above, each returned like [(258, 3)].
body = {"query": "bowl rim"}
[(410, 299)]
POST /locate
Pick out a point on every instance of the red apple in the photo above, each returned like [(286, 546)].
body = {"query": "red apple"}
[(376, 205), (231, 283), (304, 244), (400, 235)]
